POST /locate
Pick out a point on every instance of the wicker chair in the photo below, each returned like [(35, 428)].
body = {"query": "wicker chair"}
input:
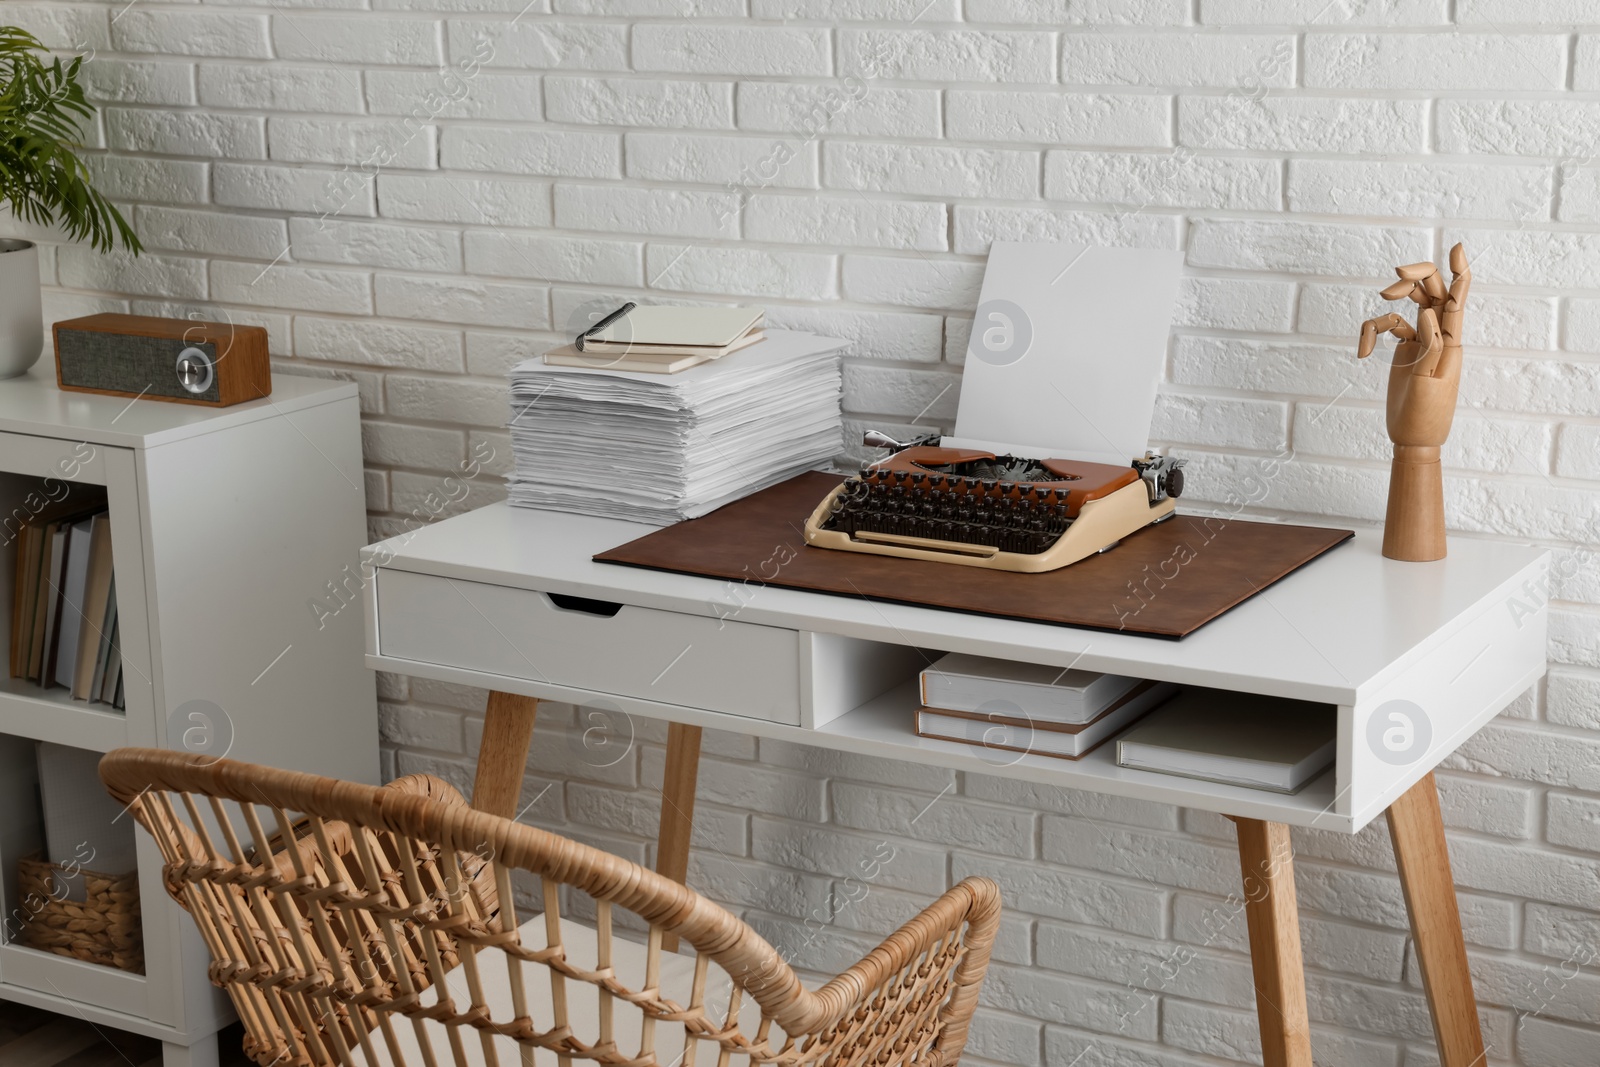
[(369, 926)]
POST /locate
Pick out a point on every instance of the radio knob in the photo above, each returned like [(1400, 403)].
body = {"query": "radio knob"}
[(194, 370)]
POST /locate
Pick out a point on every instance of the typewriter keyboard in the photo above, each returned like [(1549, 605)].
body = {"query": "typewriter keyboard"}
[(1012, 517)]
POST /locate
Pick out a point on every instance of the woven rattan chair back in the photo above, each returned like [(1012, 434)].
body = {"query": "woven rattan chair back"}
[(367, 926)]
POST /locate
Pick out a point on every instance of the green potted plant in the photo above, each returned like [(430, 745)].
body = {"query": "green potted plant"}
[(43, 181)]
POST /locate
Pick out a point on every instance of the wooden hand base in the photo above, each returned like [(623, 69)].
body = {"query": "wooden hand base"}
[(1413, 528)]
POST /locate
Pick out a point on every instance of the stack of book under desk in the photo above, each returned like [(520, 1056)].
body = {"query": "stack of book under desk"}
[(64, 606), (1027, 707), (1240, 739)]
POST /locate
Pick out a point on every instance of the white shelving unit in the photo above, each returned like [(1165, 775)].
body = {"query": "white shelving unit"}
[(228, 526)]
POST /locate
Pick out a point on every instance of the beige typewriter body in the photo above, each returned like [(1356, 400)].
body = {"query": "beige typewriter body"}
[(1098, 504)]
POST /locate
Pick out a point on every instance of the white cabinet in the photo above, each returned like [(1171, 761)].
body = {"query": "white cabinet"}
[(231, 531)]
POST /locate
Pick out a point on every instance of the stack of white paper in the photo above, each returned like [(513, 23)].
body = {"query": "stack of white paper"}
[(658, 448)]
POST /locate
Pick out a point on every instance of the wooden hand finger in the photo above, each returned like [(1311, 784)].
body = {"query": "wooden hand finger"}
[(1460, 283), (1391, 323), (1416, 272), (1399, 289), (1433, 285), (1432, 341)]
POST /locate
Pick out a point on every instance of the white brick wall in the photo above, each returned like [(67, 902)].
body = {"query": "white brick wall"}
[(417, 193)]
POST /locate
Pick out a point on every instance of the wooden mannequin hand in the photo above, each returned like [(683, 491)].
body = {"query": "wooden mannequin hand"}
[(1423, 382)]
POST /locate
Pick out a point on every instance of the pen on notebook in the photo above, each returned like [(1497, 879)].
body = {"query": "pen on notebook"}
[(603, 323)]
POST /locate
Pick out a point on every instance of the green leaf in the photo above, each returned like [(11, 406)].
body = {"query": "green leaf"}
[(42, 107)]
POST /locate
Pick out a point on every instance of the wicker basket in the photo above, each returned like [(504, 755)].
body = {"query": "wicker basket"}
[(103, 928)]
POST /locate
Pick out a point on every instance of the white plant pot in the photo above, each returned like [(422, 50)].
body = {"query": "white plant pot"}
[(21, 307)]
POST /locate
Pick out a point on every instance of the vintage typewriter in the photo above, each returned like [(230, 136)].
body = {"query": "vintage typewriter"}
[(967, 506)]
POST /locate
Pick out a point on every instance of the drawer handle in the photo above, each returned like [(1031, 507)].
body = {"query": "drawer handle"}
[(584, 604)]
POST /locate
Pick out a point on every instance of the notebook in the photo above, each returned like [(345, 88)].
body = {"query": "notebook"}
[(1234, 738), (959, 682), (663, 340), (998, 730), (701, 327), (657, 359)]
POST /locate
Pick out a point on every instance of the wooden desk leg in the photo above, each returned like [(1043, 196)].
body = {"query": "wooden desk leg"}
[(1272, 912), (1419, 850), (503, 754), (677, 808)]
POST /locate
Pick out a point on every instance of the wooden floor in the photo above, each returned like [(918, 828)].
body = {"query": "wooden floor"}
[(33, 1038)]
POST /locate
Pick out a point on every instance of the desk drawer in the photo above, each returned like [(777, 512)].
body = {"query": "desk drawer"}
[(690, 660)]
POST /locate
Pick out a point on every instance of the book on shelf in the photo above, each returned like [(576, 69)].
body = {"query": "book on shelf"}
[(1026, 734), (34, 659), (40, 560), (63, 597), (70, 613), (108, 626), (97, 587), (54, 577), (25, 587), (113, 690), (1260, 742), (959, 682)]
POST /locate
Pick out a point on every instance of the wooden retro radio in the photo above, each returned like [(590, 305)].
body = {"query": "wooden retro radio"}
[(968, 506), (178, 360)]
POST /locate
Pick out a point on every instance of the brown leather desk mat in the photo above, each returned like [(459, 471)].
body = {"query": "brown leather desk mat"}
[(1165, 581)]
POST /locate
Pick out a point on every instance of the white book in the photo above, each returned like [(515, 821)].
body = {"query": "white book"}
[(959, 682), (1234, 738), (74, 584), (1026, 735)]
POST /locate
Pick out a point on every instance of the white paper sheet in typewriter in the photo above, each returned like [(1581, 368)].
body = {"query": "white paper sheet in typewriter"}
[(1067, 348)]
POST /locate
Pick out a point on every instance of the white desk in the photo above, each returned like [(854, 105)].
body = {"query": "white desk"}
[(1448, 645)]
